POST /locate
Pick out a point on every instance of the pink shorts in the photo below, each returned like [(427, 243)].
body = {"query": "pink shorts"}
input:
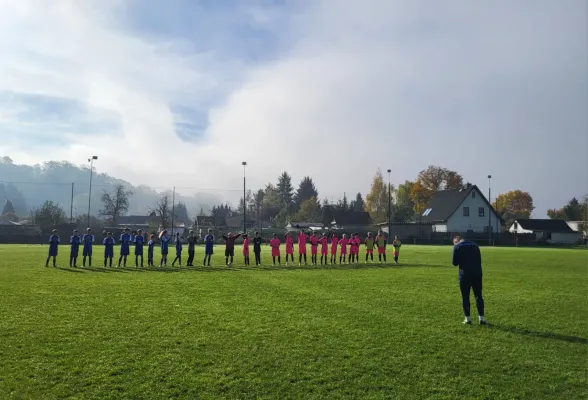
[(275, 252), (302, 250), (324, 251), (246, 252), (343, 251), (314, 250), (381, 250), (333, 251), (369, 251), (289, 250)]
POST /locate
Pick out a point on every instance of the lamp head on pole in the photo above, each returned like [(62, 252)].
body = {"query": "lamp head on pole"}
[(389, 170), (489, 176), (244, 163)]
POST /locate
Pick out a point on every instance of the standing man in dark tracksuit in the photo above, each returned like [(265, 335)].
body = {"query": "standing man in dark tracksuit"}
[(466, 256)]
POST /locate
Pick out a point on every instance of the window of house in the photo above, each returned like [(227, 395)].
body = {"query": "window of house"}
[(481, 211), (473, 195), (466, 211)]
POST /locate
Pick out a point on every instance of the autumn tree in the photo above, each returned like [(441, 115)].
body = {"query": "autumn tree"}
[(572, 211), (115, 203), (420, 196), (515, 204), (404, 209), (431, 180), (376, 201)]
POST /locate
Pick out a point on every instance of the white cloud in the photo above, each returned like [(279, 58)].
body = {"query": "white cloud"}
[(482, 89)]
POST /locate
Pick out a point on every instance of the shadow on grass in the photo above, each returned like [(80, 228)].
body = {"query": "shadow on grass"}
[(284, 268), (545, 335), (68, 269)]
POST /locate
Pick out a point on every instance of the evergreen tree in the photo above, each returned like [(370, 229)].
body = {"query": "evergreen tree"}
[(306, 190)]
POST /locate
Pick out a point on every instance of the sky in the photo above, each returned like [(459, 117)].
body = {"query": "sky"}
[(180, 92)]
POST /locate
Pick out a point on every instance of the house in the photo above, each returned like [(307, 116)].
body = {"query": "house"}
[(464, 210), (134, 221), (576, 226), (353, 220), (236, 222), (547, 230), (313, 226), (206, 221)]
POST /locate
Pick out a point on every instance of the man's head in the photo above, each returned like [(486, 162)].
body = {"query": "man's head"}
[(209, 231), (457, 239)]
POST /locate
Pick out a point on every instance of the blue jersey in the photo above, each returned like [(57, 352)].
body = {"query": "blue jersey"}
[(150, 246), (75, 242), (125, 242), (139, 241), (53, 245), (108, 246), (164, 244), (178, 246), (209, 240), (88, 240)]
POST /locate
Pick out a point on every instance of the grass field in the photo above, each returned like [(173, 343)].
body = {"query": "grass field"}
[(366, 332)]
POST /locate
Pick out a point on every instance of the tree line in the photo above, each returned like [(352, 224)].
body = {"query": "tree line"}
[(279, 202)]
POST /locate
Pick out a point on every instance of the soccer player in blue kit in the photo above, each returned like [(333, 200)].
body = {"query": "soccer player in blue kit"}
[(88, 241), (75, 242), (108, 243), (125, 246), (53, 247), (139, 240), (208, 247)]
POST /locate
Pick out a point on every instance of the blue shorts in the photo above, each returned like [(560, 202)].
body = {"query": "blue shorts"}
[(52, 251), (87, 252), (209, 250), (124, 251), (138, 250)]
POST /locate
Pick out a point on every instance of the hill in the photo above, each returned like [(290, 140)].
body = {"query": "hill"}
[(28, 186)]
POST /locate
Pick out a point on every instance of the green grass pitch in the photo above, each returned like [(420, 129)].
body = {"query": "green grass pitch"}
[(365, 332)]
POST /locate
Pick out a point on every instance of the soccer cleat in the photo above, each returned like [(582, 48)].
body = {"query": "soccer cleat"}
[(483, 321), (467, 321)]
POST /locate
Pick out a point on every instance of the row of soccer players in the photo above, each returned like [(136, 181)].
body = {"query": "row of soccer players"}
[(126, 240)]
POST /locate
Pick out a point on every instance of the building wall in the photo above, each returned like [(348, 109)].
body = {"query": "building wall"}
[(440, 228), (459, 223), (565, 238), (409, 230)]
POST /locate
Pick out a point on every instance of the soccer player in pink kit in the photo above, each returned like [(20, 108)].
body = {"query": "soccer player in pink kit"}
[(289, 247), (246, 248), (314, 241), (343, 244), (302, 238), (334, 244), (354, 248), (275, 245), (324, 242)]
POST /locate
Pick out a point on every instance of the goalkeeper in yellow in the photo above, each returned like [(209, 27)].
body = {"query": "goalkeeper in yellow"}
[(370, 243), (396, 244)]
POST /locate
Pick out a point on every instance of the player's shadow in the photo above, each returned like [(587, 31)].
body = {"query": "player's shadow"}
[(69, 269), (544, 335), (284, 267)]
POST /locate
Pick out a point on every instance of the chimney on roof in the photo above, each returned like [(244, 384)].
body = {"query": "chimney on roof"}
[(468, 185)]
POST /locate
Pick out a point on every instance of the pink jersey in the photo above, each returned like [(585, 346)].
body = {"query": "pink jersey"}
[(314, 241), (275, 245), (355, 242), (302, 243), (246, 246), (343, 243), (324, 245), (334, 244), (289, 245)]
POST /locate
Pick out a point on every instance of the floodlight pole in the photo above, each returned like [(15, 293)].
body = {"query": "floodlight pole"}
[(244, 163), (91, 161), (389, 205), (489, 212)]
